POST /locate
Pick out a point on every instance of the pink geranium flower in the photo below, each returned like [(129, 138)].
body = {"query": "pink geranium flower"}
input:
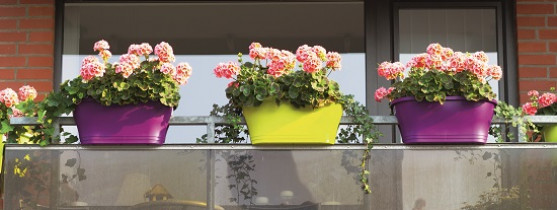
[(131, 60), (380, 93), (333, 61), (125, 69), (529, 108), (257, 51), (105, 55), (27, 93), (434, 49), (168, 68), (183, 73), (101, 45), (8, 97), (533, 93), (546, 99), (227, 70), (320, 52), (91, 68), (144, 49), (165, 53), (312, 63), (480, 55), (303, 52)]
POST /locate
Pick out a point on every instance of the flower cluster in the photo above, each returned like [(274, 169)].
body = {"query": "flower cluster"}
[(441, 60), (538, 101), (299, 78), (129, 63), (381, 93), (281, 62), (164, 52), (9, 98), (227, 70)]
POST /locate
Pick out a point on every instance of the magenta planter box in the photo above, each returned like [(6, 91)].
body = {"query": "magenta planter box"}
[(457, 121), (129, 124)]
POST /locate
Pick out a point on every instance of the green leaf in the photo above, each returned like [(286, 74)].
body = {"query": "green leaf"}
[(293, 93), (6, 127)]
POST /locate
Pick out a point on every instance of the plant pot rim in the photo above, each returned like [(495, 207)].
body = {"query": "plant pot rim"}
[(449, 98), (272, 100), (90, 99)]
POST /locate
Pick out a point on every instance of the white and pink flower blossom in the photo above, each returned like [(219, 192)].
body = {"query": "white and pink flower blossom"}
[(8, 97), (495, 72), (272, 54), (418, 61), (320, 52), (303, 52), (27, 93), (101, 45), (391, 70), (333, 61), (183, 73), (144, 49), (131, 60), (89, 59), (168, 68), (312, 63), (227, 70), (165, 52), (91, 68), (125, 69), (480, 55), (133, 48), (105, 55), (434, 49)]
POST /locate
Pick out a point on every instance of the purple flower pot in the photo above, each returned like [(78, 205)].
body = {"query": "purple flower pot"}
[(129, 124), (457, 121)]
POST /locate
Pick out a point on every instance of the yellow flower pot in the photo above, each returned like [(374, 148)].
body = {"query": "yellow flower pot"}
[(1, 155), (550, 133), (270, 123)]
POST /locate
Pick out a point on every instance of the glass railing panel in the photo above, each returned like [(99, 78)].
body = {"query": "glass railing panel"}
[(279, 179), (238, 177), (464, 177), (103, 178)]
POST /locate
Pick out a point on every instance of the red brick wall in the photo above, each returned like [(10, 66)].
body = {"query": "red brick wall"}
[(26, 44), (537, 45)]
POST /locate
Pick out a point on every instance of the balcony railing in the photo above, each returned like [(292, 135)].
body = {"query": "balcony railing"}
[(237, 177), (211, 122)]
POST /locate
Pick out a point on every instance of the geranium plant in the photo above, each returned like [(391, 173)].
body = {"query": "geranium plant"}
[(128, 81), (300, 79), (17, 104), (540, 104), (439, 73)]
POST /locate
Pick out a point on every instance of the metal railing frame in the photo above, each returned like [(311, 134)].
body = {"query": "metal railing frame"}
[(211, 122)]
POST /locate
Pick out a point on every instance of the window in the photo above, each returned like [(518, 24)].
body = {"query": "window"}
[(398, 28)]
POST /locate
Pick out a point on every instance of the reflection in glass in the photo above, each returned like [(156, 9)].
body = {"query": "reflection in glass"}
[(304, 179)]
